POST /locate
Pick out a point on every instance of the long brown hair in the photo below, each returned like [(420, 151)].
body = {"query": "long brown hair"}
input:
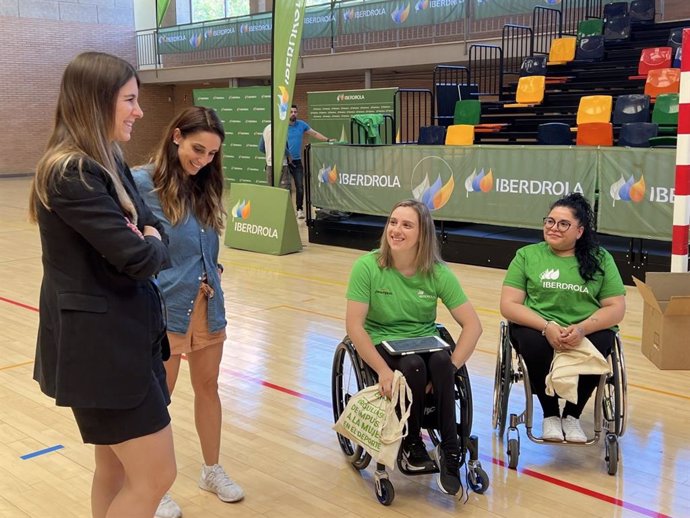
[(428, 253), (84, 122), (180, 193)]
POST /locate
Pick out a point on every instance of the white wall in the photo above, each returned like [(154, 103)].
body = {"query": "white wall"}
[(144, 14)]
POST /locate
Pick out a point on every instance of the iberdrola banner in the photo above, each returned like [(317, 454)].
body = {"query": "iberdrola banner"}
[(288, 19)]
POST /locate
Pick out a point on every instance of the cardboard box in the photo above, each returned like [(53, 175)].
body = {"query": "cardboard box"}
[(666, 319)]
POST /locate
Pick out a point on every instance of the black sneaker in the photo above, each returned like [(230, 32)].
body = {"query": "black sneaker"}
[(414, 456), (448, 479)]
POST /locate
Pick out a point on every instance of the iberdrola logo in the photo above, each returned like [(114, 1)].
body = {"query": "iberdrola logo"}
[(550, 274), (244, 28), (629, 190), (283, 98), (328, 174), (400, 13), (242, 209), (348, 14), (479, 182), (195, 40), (436, 195), (421, 5)]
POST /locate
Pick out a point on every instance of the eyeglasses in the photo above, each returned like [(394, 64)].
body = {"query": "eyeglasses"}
[(562, 225)]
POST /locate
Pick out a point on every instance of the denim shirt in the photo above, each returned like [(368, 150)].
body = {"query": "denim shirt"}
[(193, 251)]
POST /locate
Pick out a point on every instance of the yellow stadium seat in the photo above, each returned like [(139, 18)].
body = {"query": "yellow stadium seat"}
[(562, 51), (460, 135), (530, 91), (594, 108)]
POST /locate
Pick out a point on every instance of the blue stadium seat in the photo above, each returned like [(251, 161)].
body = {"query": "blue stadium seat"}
[(631, 108), (637, 134), (554, 134), (590, 48)]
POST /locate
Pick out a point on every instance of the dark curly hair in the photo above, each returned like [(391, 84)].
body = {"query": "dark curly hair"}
[(587, 249)]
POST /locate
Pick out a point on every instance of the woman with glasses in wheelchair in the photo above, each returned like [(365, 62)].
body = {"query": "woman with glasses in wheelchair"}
[(392, 294), (555, 293)]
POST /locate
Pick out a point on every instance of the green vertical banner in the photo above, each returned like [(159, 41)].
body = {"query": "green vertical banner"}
[(636, 193), (244, 113), (287, 36), (161, 9)]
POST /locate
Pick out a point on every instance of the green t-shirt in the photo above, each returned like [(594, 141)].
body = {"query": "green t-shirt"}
[(554, 287), (399, 306)]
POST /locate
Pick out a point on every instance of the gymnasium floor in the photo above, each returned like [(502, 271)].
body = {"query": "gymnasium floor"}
[(286, 315)]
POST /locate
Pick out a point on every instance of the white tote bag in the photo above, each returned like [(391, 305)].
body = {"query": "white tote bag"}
[(370, 420)]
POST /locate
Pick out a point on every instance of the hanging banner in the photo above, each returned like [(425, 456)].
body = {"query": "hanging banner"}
[(636, 193), (287, 36), (499, 185), (496, 8), (330, 112), (244, 112), (394, 14), (161, 9), (319, 22)]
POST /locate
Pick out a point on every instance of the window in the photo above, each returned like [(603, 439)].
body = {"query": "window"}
[(203, 10)]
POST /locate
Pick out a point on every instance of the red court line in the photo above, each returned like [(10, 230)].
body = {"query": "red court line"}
[(531, 473), (20, 304)]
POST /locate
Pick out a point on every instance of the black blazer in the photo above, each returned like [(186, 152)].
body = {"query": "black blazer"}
[(100, 314)]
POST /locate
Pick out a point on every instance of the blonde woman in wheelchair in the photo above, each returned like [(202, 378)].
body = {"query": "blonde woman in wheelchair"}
[(555, 294), (392, 294)]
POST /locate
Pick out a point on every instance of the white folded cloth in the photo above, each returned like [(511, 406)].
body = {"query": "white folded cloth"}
[(569, 364)]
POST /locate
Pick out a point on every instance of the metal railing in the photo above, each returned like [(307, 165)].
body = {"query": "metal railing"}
[(413, 109), (547, 25), (517, 42), (486, 64)]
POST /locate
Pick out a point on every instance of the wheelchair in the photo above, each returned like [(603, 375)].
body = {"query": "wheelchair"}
[(350, 374), (610, 407)]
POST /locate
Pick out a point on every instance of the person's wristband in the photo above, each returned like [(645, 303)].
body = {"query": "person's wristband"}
[(543, 331)]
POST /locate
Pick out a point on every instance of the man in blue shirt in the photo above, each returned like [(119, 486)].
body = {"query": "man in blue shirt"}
[(296, 131)]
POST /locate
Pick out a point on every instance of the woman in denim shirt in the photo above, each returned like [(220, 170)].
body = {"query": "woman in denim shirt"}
[(184, 188)]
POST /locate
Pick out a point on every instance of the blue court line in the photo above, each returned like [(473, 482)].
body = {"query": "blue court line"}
[(41, 452)]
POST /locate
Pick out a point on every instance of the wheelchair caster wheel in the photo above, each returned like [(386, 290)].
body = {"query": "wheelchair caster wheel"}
[(513, 453), (477, 480), (612, 453), (385, 492)]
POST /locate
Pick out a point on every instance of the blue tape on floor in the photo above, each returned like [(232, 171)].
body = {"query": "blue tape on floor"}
[(41, 452)]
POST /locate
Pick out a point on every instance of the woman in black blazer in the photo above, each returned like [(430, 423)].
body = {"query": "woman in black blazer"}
[(101, 320)]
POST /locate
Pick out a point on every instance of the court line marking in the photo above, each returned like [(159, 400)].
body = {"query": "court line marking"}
[(531, 473), (33, 454)]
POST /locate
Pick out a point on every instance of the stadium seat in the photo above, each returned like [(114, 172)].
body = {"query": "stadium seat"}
[(590, 27), (631, 108), (678, 57), (662, 81), (665, 141), (530, 91), (653, 58), (616, 21), (595, 134), (562, 51), (467, 111), (665, 113), (460, 135), (642, 11), (590, 48), (594, 108), (533, 66), (432, 135), (675, 38), (637, 134), (554, 134)]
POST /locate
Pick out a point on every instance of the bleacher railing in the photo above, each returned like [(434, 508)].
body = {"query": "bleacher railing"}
[(486, 64), (517, 42), (547, 24), (344, 26)]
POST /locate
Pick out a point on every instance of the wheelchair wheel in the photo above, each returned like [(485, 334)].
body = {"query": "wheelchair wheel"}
[(502, 381), (347, 379), (385, 492), (513, 453), (477, 480), (615, 393)]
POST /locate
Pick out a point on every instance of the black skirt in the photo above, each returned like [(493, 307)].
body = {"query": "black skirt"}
[(113, 426)]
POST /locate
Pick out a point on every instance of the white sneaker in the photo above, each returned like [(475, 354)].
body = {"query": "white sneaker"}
[(572, 430), (168, 508), (300, 214), (551, 429), (214, 479)]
